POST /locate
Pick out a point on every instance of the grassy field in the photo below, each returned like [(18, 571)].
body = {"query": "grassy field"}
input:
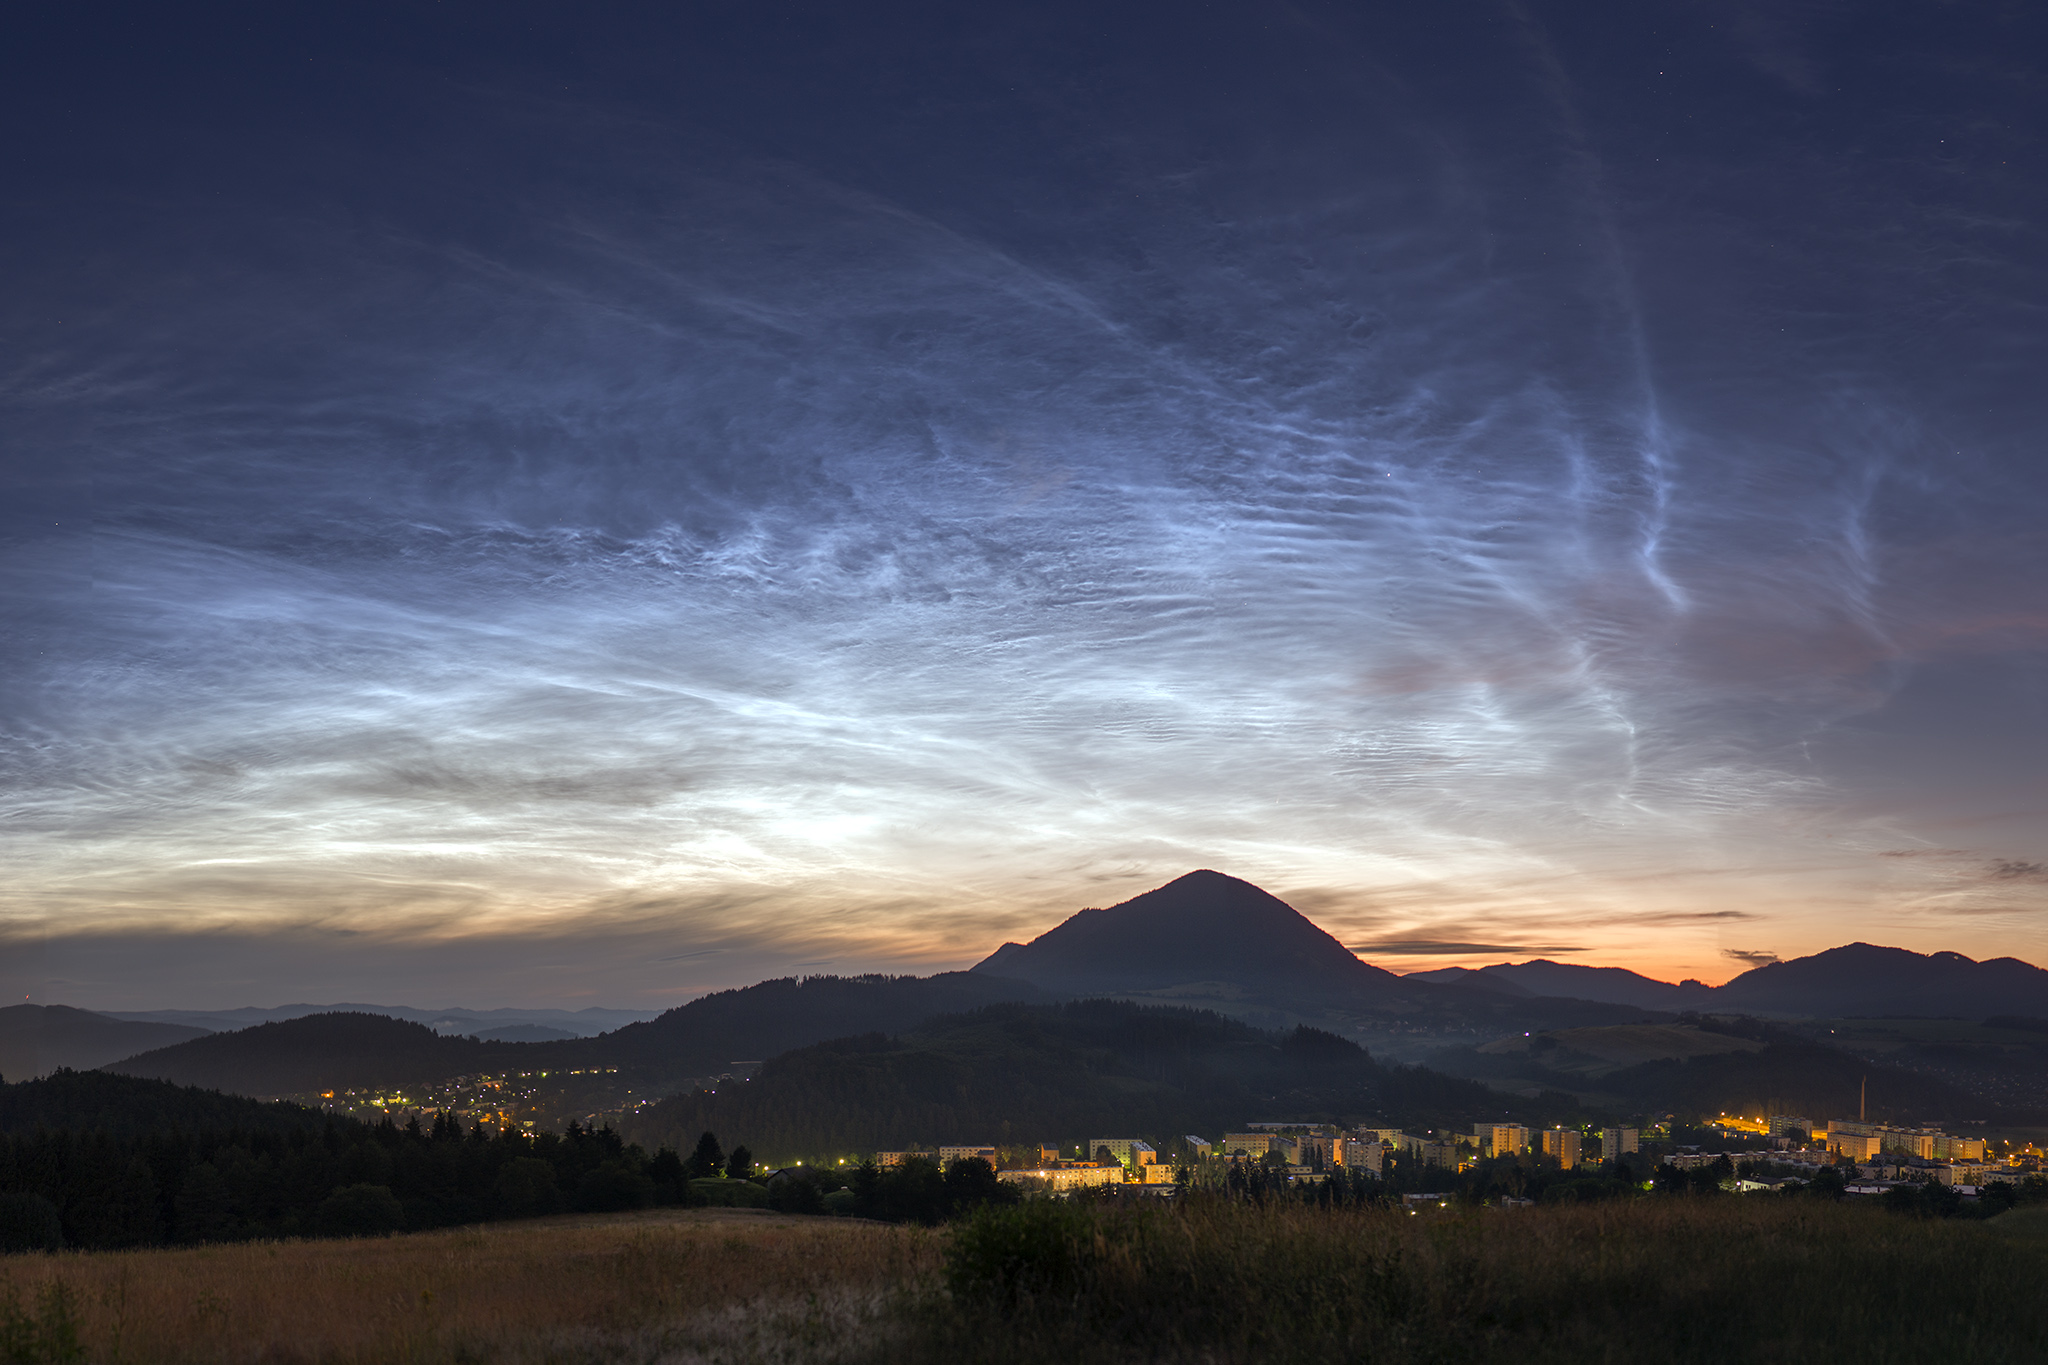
[(1674, 1280), (668, 1285)]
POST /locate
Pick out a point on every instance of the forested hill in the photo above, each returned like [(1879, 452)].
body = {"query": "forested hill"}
[(342, 1050), (709, 1034), (129, 1106), (1062, 1074), (319, 1052)]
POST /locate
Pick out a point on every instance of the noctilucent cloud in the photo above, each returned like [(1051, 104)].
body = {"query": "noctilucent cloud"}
[(530, 503)]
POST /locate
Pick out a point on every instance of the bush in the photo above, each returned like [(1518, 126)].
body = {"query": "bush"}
[(1043, 1252), (840, 1203), (359, 1211), (29, 1222), (795, 1193)]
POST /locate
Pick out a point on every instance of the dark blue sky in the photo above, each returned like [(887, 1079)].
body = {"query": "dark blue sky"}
[(524, 503)]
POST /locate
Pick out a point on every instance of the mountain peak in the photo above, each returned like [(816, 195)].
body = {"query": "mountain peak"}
[(1203, 927)]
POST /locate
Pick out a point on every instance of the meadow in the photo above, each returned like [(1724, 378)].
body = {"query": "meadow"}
[(1677, 1279), (667, 1285)]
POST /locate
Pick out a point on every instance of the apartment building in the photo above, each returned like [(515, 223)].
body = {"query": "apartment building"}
[(1126, 1152), (1563, 1144), (949, 1155), (1501, 1139), (1358, 1153)]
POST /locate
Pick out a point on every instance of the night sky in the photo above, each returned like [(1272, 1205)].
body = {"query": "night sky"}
[(563, 504)]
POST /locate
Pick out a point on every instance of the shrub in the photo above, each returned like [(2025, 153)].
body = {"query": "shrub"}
[(1044, 1251), (795, 1193)]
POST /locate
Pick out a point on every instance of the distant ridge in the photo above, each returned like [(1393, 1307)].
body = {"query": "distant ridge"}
[(770, 1017), (1598, 983), (1204, 927), (349, 1049), (36, 1040), (322, 1052), (1855, 979), (584, 1023), (1864, 979)]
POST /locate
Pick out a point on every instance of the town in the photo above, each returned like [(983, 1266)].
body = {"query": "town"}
[(1768, 1152)]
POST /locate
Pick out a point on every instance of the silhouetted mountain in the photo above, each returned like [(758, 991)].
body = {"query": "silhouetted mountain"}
[(1862, 979), (1203, 927), (124, 1106), (1615, 985), (1061, 1074), (38, 1039), (709, 1034), (583, 1023), (1466, 976), (1857, 979), (325, 1052), (1210, 941)]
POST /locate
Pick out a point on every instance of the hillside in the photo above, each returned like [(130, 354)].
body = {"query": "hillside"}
[(709, 1034), (1694, 1069), (325, 1052), (583, 1023), (38, 1039), (1060, 1073), (346, 1050), (127, 1106)]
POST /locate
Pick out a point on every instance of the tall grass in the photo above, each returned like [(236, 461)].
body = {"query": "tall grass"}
[(671, 1286), (1678, 1280)]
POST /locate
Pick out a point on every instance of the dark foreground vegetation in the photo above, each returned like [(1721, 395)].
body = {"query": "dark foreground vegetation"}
[(1215, 1280), (1675, 1279), (96, 1161)]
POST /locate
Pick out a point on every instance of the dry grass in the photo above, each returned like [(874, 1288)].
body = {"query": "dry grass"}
[(670, 1286), (1690, 1282)]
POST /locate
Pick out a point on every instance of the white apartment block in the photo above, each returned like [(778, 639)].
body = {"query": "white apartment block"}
[(949, 1155), (1125, 1151)]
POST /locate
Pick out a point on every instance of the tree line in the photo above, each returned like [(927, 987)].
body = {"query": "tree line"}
[(105, 1190)]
